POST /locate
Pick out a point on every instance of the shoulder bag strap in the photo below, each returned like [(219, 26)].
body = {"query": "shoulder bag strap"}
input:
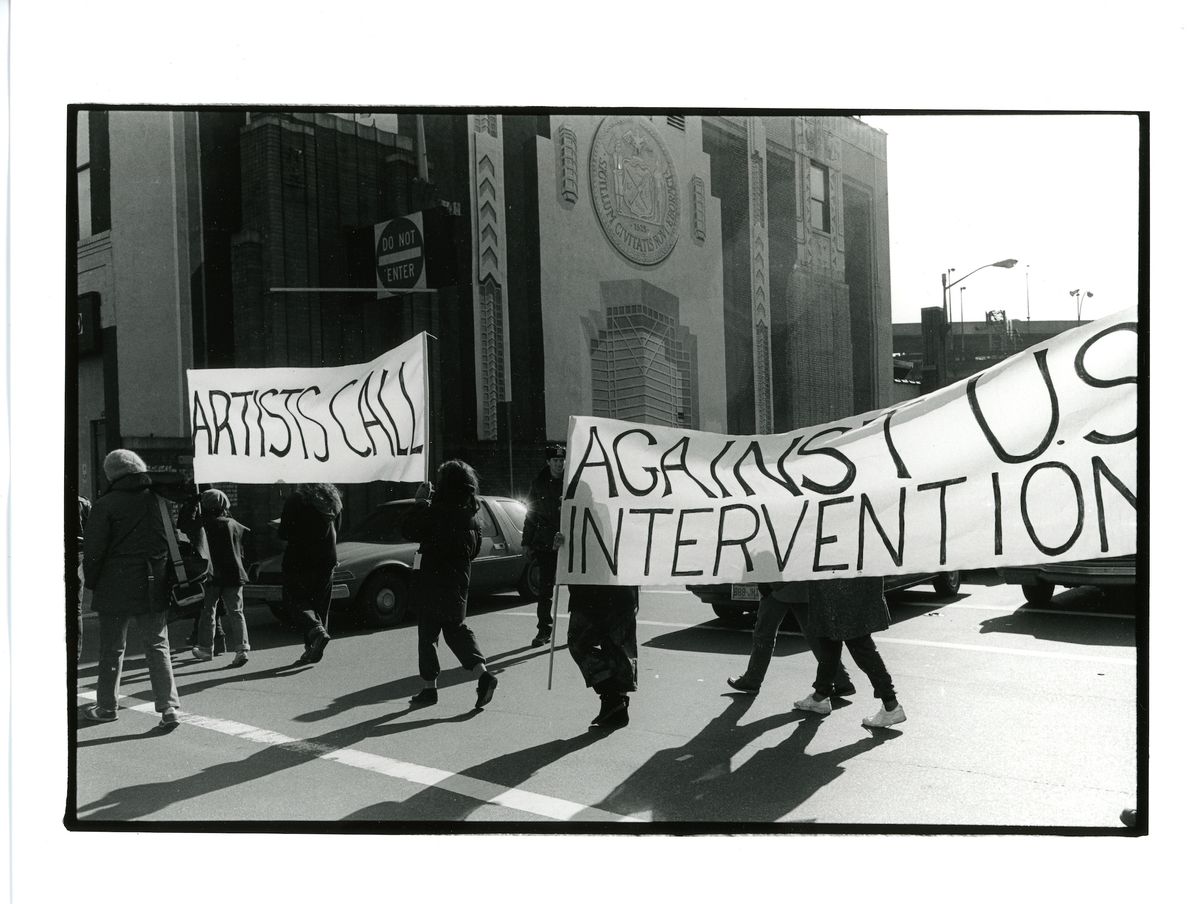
[(172, 543)]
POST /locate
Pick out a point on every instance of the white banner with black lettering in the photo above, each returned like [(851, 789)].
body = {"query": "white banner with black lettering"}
[(1032, 460), (349, 424)]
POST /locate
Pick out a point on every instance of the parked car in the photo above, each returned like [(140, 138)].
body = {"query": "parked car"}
[(731, 601), (1038, 581), (375, 563)]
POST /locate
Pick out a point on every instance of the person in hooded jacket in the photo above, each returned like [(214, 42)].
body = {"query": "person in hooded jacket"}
[(224, 541), (444, 522), (311, 519), (126, 561)]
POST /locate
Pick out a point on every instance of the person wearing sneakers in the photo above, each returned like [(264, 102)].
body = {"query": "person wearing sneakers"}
[(125, 565), (537, 533), (224, 537), (310, 522), (849, 611), (781, 598), (444, 522), (602, 638)]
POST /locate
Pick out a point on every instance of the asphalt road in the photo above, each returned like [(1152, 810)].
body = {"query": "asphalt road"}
[(1017, 716)]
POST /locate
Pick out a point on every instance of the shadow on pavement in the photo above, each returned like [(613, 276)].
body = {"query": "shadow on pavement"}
[(696, 782), (511, 770)]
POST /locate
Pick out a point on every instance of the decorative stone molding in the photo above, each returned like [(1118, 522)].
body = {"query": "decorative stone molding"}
[(635, 191), (568, 166), (699, 210), (489, 295), (760, 293), (487, 122)]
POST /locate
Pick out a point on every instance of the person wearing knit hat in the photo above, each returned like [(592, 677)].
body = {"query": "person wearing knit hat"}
[(224, 536), (125, 565)]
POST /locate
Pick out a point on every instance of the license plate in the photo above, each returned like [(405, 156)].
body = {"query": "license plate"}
[(745, 593)]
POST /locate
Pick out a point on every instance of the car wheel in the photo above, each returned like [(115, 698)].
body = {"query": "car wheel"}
[(727, 612), (528, 583), (947, 583), (382, 600), (1038, 594)]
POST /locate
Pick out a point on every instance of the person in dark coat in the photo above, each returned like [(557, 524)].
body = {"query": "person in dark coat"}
[(537, 533), (224, 541), (849, 611), (444, 522), (311, 519), (602, 638), (125, 565), (781, 598)]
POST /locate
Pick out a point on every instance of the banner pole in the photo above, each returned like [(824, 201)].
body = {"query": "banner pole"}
[(428, 436), (553, 634)]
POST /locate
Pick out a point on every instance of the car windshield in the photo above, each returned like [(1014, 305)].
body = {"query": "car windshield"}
[(381, 526)]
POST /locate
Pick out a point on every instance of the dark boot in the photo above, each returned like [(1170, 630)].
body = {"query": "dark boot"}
[(614, 712), (756, 671)]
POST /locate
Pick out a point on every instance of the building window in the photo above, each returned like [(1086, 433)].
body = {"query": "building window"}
[(818, 196), (91, 173), (83, 177)]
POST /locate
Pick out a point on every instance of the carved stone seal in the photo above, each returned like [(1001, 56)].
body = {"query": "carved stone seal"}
[(634, 189)]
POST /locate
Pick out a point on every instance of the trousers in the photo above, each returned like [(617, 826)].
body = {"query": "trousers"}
[(866, 657), (152, 632)]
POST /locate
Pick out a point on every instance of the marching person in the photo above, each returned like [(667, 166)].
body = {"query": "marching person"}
[(537, 533), (849, 611), (444, 522), (224, 536), (311, 519), (126, 565), (602, 638), (789, 596)]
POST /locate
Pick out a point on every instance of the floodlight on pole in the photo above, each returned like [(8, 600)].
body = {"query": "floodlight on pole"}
[(1007, 264), (1079, 295)]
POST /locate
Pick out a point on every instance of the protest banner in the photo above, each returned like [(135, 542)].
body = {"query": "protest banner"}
[(348, 424), (1032, 460)]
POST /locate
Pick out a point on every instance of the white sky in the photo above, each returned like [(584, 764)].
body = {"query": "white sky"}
[(1058, 193)]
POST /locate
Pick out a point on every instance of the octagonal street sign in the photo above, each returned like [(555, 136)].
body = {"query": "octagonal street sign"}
[(400, 254)]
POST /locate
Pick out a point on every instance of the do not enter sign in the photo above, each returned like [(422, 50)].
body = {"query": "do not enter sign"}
[(400, 254)]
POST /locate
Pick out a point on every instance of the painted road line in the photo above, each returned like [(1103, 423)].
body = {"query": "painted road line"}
[(973, 648), (487, 792)]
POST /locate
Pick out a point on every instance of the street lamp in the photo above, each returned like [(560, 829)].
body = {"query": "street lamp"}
[(947, 285), (1079, 295)]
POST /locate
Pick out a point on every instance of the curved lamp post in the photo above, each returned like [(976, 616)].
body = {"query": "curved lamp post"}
[(1007, 264)]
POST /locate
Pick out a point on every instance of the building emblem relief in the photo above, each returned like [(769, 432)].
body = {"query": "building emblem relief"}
[(635, 190)]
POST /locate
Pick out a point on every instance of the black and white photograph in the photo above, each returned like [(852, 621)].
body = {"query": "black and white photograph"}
[(542, 466)]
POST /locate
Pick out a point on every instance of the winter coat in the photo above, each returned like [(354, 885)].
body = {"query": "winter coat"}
[(545, 507), (125, 553), (311, 537), (225, 550), (845, 609), (450, 537)]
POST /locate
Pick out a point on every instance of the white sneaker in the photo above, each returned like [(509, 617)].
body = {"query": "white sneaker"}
[(813, 705), (885, 718), (201, 654)]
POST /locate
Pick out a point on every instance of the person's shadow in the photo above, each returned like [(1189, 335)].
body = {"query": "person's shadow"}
[(445, 802), (697, 783)]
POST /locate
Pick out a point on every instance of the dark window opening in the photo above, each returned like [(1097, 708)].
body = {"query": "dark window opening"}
[(818, 202)]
